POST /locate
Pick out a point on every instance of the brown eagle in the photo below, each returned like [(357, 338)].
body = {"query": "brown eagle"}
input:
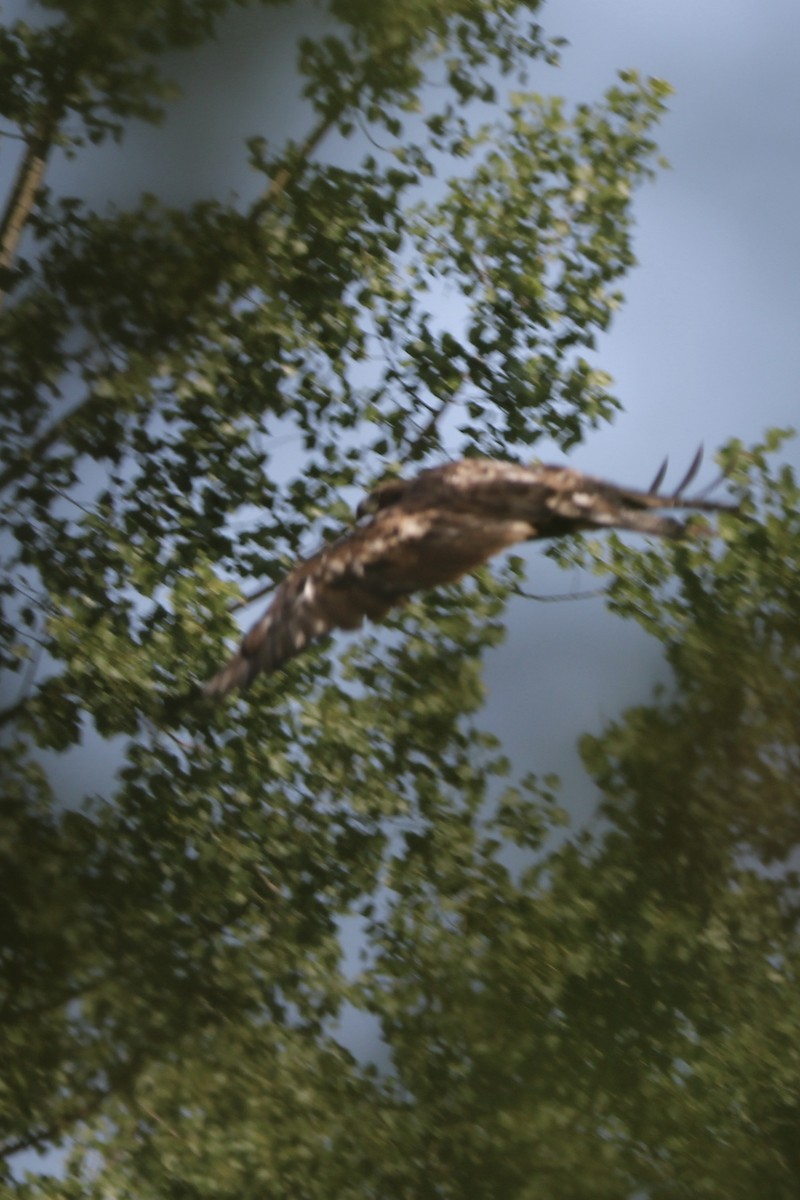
[(431, 530)]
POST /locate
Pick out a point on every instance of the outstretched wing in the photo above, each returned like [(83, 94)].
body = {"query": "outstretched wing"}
[(432, 530), (364, 574), (326, 592), (423, 533)]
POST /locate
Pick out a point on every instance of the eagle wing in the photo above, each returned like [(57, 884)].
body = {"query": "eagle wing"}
[(431, 530), (363, 574)]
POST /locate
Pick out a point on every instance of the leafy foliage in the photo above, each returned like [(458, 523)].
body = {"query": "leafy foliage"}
[(607, 1015)]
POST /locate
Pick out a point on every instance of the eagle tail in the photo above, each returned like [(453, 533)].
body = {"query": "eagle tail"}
[(652, 498)]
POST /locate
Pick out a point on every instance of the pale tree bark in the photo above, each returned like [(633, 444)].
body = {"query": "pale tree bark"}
[(23, 192)]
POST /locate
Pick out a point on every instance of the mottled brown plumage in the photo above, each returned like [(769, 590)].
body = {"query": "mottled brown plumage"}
[(431, 530)]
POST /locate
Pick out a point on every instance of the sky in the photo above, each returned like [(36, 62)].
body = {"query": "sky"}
[(705, 348)]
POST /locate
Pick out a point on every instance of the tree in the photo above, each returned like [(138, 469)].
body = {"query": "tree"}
[(586, 1021)]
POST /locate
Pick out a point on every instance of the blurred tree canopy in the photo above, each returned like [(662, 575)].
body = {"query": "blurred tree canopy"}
[(613, 1014)]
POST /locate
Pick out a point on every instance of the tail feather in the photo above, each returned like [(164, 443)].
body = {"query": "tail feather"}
[(652, 498), (694, 467), (659, 479)]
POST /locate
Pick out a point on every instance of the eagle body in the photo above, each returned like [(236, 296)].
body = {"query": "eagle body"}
[(431, 530)]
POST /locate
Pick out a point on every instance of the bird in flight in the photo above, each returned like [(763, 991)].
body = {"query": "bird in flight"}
[(431, 530)]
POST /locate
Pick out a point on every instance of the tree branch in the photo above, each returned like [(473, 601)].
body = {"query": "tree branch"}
[(250, 598), (23, 192), (429, 429), (284, 176), (122, 1081), (12, 712), (19, 208), (20, 465), (558, 597)]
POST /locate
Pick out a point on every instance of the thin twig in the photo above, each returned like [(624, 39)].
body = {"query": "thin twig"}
[(148, 1112), (559, 596), (20, 466), (287, 173), (39, 1139), (247, 600), (12, 712), (428, 429)]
